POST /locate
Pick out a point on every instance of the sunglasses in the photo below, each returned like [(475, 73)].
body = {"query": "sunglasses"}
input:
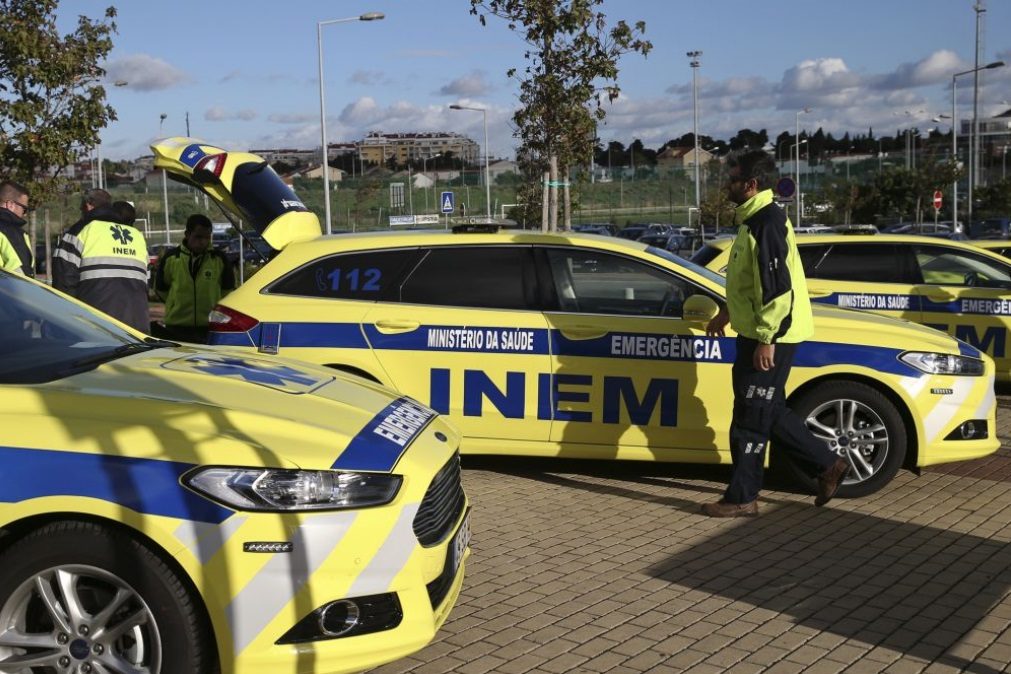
[(25, 209)]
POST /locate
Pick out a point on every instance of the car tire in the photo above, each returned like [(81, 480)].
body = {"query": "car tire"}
[(866, 413), (150, 620)]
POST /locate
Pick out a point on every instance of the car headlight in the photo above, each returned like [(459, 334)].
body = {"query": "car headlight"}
[(277, 490), (943, 363)]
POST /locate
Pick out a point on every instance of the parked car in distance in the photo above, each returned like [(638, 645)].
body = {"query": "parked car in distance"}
[(254, 249), (599, 230), (632, 232), (918, 228)]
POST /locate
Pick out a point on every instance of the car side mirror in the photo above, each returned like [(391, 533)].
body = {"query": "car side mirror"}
[(700, 308)]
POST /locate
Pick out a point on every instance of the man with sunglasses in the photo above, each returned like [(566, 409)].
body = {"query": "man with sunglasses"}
[(16, 253), (769, 309)]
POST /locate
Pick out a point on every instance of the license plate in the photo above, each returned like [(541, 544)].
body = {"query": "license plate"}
[(458, 546)]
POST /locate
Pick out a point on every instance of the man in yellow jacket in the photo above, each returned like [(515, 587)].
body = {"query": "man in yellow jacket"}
[(192, 277), (769, 308), (16, 253), (102, 260)]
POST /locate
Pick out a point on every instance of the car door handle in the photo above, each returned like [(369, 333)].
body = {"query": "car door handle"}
[(394, 325), (818, 293), (583, 332), (940, 297)]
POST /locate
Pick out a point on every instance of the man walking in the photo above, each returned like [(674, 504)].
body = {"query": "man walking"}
[(16, 253), (102, 260), (769, 308)]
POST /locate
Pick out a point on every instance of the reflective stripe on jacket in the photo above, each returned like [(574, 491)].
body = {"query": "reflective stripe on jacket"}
[(104, 264), (194, 284), (766, 289)]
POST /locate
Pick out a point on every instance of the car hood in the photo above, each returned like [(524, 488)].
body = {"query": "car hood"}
[(233, 409), (862, 327), (243, 184)]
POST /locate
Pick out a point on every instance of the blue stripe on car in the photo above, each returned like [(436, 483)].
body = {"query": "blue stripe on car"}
[(380, 444), (147, 486)]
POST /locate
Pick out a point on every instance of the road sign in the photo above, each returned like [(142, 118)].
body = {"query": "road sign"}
[(938, 199), (785, 187), (448, 202)]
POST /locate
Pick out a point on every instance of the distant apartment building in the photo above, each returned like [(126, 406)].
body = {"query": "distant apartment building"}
[(289, 156), (378, 147)]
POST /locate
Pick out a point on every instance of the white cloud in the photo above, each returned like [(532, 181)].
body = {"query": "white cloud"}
[(282, 118), (370, 78), (474, 84), (143, 72), (219, 114)]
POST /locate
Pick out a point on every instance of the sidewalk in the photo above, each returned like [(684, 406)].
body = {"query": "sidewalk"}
[(605, 567)]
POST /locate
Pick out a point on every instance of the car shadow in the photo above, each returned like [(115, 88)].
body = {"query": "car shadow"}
[(914, 589)]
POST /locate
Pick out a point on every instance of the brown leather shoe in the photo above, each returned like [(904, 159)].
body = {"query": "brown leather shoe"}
[(722, 509), (829, 481)]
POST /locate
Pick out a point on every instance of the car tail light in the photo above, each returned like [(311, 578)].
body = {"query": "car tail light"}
[(223, 319), (208, 169)]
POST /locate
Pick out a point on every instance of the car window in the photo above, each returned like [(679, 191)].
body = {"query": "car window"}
[(866, 262), (371, 276), (486, 277), (945, 266), (596, 282), (44, 335)]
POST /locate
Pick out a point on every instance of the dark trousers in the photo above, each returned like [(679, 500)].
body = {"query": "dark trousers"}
[(760, 413)]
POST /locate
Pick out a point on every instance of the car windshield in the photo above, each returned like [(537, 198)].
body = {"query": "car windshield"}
[(685, 264), (46, 337)]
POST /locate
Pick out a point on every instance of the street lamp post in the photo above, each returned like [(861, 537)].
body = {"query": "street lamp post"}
[(797, 165), (695, 63), (487, 173), (369, 16), (954, 145), (424, 171), (164, 181)]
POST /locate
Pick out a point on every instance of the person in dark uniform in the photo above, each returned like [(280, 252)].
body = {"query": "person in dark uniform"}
[(769, 308), (102, 261), (16, 253)]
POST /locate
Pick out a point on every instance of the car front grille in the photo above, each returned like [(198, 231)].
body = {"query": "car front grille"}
[(442, 505)]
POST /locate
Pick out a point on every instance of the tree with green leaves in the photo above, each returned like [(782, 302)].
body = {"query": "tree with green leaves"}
[(570, 51), (52, 102)]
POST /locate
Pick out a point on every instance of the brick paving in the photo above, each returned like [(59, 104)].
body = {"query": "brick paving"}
[(603, 567)]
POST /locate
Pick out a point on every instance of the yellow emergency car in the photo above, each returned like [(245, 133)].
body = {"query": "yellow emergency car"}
[(573, 345), (180, 509), (952, 286), (998, 246)]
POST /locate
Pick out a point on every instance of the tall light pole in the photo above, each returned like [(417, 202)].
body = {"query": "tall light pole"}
[(424, 171), (369, 16), (164, 180), (797, 165), (954, 145), (487, 173), (695, 63)]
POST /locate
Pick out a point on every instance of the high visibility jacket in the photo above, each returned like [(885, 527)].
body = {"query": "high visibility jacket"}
[(766, 289), (194, 284), (16, 253), (104, 264)]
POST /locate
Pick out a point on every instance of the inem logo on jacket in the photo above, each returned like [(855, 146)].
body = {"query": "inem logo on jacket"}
[(123, 235)]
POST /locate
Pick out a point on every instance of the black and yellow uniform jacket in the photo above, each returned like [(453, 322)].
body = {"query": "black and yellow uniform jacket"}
[(766, 290), (104, 263), (15, 249), (193, 283)]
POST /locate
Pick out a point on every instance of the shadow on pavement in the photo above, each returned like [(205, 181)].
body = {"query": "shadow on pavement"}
[(914, 589)]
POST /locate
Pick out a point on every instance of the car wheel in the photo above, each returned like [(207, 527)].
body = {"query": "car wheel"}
[(77, 597), (859, 424)]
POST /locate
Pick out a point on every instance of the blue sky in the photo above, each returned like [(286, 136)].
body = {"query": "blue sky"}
[(246, 71)]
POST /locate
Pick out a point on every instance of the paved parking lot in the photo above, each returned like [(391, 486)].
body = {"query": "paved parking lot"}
[(603, 567)]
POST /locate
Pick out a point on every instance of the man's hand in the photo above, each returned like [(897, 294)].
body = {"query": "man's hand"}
[(715, 327), (764, 357)]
